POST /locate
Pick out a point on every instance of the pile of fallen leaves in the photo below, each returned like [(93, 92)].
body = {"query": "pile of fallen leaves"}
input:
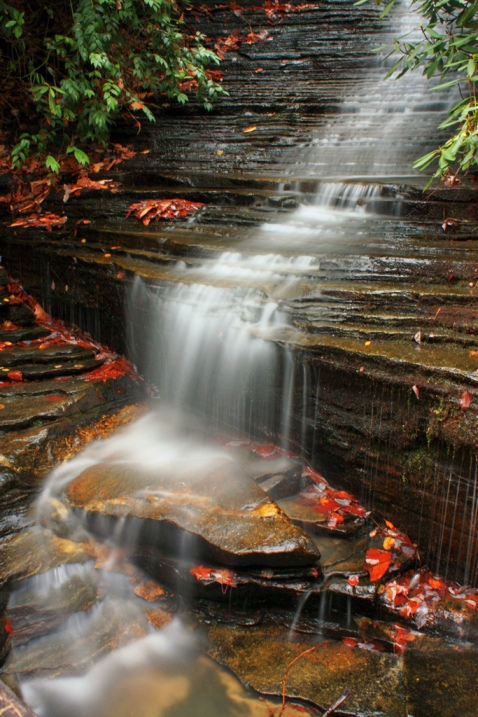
[(234, 41), (418, 595), (47, 221), (150, 209), (32, 184), (336, 504), (396, 550), (112, 365)]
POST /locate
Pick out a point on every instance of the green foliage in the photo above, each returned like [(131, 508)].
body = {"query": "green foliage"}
[(73, 66), (447, 50)]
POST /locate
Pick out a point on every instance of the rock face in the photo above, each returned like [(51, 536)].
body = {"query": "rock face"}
[(58, 391), (222, 513)]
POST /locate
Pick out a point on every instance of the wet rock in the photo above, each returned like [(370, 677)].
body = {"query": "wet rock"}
[(220, 511), (11, 705), (35, 551), (76, 648), (260, 656), (162, 674), (41, 607), (279, 476), (441, 679)]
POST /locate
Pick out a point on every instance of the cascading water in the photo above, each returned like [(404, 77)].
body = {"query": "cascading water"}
[(214, 337)]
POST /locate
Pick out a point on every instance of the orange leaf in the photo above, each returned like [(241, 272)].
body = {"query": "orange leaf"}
[(15, 375), (149, 590), (252, 128), (465, 401), (378, 571)]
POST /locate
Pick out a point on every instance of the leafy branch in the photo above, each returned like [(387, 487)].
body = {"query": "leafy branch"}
[(74, 66), (447, 50)]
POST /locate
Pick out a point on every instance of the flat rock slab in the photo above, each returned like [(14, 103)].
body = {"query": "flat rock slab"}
[(231, 519), (35, 551), (441, 679), (260, 656), (115, 623), (160, 675)]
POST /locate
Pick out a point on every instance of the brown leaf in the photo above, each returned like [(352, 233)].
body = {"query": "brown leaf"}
[(449, 222), (149, 590)]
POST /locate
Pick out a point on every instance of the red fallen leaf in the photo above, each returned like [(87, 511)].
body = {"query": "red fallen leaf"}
[(401, 637), (316, 477), (224, 577), (120, 275), (451, 180), (226, 44), (266, 450), (353, 580), (8, 627), (350, 641), (188, 85), (436, 583), (342, 494), (399, 600), (378, 571), (375, 555), (334, 520), (258, 37), (15, 375), (354, 509), (215, 75), (377, 563), (325, 505), (84, 182), (465, 401), (111, 369), (449, 222), (410, 608), (54, 398)]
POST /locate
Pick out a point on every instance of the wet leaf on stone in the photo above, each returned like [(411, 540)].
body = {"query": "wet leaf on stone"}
[(157, 209)]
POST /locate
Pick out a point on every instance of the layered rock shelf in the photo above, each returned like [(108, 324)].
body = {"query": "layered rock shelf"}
[(382, 325)]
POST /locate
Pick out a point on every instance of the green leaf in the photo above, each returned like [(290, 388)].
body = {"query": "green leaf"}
[(52, 164)]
